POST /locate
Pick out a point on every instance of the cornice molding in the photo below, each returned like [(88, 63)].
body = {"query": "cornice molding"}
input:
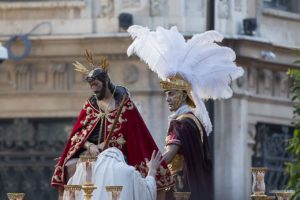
[(40, 5)]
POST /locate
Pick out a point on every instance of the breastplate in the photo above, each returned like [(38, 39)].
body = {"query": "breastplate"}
[(176, 164)]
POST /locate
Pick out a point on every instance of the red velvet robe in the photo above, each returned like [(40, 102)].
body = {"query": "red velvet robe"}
[(130, 135)]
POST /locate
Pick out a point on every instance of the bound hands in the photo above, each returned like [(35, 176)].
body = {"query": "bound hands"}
[(93, 149), (154, 163)]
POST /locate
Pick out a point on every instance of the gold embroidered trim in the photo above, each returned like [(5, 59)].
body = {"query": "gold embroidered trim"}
[(57, 178), (117, 141), (82, 134), (194, 118)]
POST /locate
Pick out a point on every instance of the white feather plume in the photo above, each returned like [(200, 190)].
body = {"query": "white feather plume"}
[(154, 48), (207, 66)]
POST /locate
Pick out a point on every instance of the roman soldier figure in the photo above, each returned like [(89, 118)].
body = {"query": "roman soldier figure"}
[(192, 71)]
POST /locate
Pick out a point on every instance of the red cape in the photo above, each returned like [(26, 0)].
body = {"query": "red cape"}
[(130, 135)]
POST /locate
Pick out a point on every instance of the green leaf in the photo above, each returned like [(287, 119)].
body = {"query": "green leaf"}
[(297, 62)]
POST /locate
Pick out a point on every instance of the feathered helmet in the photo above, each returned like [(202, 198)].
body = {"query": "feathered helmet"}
[(178, 83), (199, 65), (93, 71)]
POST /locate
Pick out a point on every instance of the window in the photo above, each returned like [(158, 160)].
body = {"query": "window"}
[(270, 151), (28, 147), (285, 5)]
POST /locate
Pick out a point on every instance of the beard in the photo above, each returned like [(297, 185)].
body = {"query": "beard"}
[(101, 94)]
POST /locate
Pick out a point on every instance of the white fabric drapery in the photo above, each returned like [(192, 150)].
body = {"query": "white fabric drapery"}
[(110, 169)]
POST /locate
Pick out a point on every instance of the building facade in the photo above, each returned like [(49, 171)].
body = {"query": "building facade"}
[(41, 95)]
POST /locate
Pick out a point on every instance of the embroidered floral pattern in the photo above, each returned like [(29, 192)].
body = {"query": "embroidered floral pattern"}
[(110, 117), (57, 176), (117, 141), (90, 114)]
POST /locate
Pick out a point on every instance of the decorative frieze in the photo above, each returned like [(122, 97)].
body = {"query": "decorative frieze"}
[(40, 77), (107, 8), (241, 82), (57, 76), (131, 4), (281, 84), (252, 80), (5, 78), (14, 10), (196, 8), (238, 5), (60, 76), (130, 74), (155, 7), (223, 8), (264, 82), (23, 75)]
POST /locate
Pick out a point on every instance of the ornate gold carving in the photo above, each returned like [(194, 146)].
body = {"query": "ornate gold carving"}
[(259, 169), (88, 190), (15, 196), (176, 83), (283, 194), (86, 158), (181, 195), (72, 187), (115, 191), (113, 188), (262, 197)]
